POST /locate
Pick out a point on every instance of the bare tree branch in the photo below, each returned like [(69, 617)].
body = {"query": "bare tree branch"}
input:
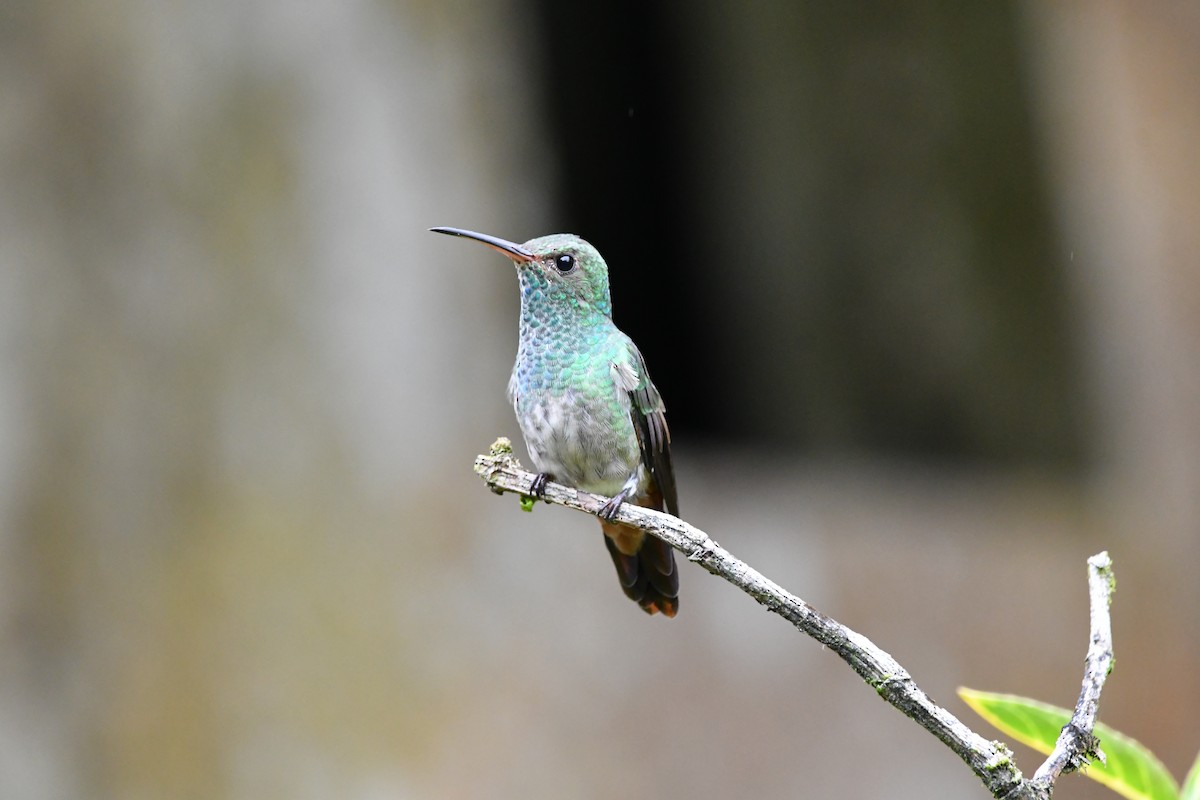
[(990, 761), (1076, 745)]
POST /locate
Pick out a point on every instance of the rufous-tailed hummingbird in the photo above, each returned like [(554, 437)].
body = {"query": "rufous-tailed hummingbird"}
[(589, 413)]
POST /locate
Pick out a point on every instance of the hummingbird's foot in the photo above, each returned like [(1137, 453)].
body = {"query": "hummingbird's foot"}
[(538, 487), (608, 511)]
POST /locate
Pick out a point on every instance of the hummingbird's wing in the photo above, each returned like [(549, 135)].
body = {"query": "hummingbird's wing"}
[(650, 422), (646, 564)]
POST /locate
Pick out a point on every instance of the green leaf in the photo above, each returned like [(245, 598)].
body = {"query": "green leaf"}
[(1131, 770), (527, 502), (1191, 785)]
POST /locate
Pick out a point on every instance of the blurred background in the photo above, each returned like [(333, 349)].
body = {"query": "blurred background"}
[(919, 286)]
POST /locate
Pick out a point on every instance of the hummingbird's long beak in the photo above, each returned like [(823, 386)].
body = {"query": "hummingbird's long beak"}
[(513, 251)]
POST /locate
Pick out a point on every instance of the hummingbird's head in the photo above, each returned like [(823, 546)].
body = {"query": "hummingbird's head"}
[(569, 262), (561, 265)]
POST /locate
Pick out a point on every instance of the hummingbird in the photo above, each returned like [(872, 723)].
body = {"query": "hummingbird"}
[(585, 404)]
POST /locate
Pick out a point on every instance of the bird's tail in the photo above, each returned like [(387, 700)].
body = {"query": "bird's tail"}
[(645, 566)]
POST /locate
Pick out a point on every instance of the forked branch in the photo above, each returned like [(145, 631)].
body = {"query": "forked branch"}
[(1076, 745), (991, 761)]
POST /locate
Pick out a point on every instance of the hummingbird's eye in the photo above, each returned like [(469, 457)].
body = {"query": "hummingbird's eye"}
[(564, 263)]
